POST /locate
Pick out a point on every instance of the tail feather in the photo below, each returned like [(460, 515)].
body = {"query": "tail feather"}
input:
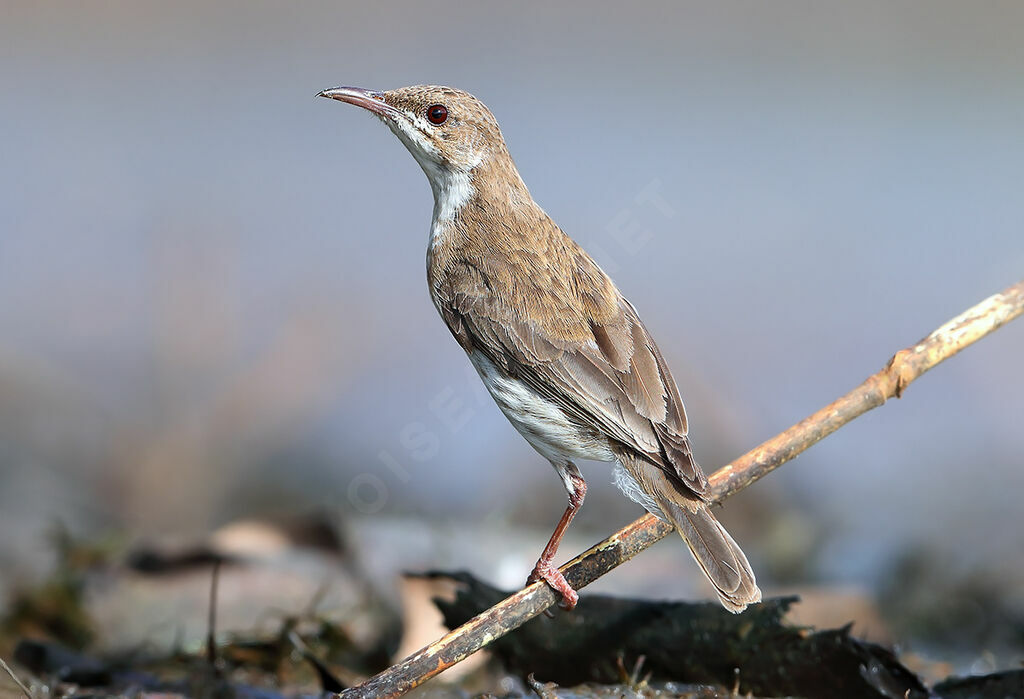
[(716, 553)]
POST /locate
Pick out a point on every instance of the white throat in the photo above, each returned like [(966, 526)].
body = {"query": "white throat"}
[(452, 188), (452, 191)]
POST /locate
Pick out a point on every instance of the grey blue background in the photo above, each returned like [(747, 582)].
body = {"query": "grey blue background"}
[(212, 294)]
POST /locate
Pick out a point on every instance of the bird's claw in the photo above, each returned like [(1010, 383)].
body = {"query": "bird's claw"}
[(554, 578)]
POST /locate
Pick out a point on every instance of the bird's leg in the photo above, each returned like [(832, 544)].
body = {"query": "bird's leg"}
[(545, 569)]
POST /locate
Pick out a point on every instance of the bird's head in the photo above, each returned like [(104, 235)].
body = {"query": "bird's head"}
[(451, 133)]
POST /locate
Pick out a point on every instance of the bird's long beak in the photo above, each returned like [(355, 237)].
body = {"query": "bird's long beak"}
[(370, 100)]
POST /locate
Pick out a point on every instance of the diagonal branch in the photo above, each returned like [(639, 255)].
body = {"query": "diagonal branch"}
[(10, 672), (905, 366)]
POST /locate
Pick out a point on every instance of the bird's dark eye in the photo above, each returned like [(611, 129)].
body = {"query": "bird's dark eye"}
[(437, 114)]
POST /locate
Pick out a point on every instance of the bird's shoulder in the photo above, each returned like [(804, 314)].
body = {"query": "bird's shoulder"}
[(521, 269)]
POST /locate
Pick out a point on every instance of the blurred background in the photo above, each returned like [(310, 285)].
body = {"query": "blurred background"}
[(213, 305)]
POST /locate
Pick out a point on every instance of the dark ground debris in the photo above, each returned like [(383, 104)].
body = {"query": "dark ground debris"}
[(607, 647), (691, 643), (702, 644)]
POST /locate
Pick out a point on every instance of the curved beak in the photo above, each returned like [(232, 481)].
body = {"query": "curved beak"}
[(370, 100)]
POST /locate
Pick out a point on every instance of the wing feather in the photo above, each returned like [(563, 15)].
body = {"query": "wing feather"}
[(615, 379)]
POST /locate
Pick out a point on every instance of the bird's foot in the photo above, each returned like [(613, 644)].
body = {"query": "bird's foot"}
[(554, 578)]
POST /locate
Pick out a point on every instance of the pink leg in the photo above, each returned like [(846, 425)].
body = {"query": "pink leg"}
[(545, 569)]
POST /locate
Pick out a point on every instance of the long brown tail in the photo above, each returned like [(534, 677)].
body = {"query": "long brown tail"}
[(716, 553)]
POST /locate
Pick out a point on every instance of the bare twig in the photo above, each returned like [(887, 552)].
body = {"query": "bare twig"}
[(21, 686), (905, 366), (328, 681), (211, 619)]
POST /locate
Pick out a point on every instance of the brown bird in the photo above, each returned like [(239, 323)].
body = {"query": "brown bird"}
[(562, 352)]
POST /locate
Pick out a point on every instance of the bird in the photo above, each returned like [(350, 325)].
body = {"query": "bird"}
[(562, 352)]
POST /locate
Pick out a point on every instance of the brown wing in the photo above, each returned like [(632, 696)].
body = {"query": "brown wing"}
[(612, 377)]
